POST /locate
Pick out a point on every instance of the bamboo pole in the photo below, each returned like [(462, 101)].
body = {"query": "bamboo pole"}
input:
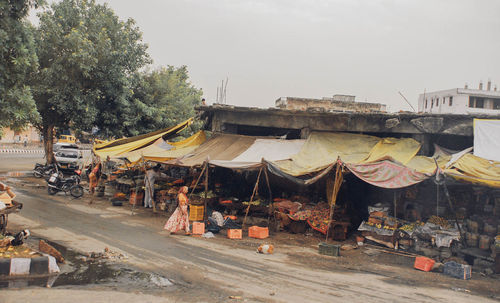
[(395, 200), (136, 190), (199, 178), (205, 213), (336, 188), (271, 206), (251, 198)]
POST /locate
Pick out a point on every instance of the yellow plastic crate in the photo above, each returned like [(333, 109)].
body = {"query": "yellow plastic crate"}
[(196, 212)]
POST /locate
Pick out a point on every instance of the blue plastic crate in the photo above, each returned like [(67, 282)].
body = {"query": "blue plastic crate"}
[(457, 270)]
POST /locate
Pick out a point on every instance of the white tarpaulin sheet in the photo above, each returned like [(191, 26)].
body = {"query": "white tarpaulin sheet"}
[(268, 149), (487, 139), (271, 150)]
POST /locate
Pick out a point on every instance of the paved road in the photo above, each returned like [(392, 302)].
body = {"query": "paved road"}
[(207, 271)]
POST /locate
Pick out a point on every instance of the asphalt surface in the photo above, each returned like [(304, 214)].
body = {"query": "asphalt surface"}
[(202, 270)]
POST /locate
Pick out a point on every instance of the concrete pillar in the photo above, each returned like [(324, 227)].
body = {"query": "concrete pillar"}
[(305, 132), (426, 144)]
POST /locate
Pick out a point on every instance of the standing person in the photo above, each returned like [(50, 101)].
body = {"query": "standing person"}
[(149, 183), (108, 166), (25, 140), (179, 219), (94, 176)]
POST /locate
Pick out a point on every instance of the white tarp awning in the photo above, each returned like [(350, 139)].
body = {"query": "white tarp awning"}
[(487, 139), (268, 149)]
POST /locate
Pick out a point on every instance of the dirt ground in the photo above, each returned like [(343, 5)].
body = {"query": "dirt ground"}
[(296, 255), (302, 250)]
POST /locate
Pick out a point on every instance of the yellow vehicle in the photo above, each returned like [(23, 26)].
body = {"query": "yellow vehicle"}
[(66, 139)]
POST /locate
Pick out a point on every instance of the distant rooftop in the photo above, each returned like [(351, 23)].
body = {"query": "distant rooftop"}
[(337, 103)]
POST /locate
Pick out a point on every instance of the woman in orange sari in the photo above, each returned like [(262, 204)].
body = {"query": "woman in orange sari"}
[(94, 176), (179, 219)]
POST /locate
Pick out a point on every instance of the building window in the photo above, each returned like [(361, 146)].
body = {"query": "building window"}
[(479, 103), (450, 101), (476, 102), (496, 103), (432, 103), (444, 98), (437, 101), (425, 103)]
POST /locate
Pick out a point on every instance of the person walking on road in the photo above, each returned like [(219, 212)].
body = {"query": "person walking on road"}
[(179, 219)]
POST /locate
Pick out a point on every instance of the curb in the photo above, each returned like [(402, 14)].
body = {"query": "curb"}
[(28, 266), (22, 151)]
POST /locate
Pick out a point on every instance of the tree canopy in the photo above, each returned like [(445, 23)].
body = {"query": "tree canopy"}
[(162, 98), (82, 67), (86, 57), (18, 60)]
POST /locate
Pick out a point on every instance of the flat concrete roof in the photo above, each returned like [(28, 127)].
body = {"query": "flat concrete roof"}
[(219, 115)]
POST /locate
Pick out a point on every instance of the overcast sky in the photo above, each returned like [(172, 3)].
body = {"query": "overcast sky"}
[(314, 48)]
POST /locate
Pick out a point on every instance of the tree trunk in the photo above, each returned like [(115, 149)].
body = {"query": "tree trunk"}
[(48, 142)]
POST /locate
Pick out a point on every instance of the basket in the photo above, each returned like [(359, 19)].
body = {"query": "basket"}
[(423, 263), (196, 212), (234, 233), (329, 249), (198, 228), (258, 232)]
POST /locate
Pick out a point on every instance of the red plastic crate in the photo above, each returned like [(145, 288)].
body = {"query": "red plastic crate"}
[(258, 232), (234, 233), (198, 228), (136, 198), (424, 263)]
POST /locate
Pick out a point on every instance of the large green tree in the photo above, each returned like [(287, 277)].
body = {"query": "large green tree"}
[(162, 98), (17, 60), (87, 58)]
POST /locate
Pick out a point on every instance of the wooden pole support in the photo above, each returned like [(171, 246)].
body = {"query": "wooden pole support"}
[(251, 198)]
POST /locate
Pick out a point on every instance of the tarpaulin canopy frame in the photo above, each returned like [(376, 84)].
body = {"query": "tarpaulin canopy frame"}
[(120, 146)]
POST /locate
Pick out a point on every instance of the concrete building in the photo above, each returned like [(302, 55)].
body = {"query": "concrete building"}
[(452, 131), (30, 134), (461, 101), (338, 103)]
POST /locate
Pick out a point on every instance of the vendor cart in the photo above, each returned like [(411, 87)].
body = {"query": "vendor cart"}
[(4, 213)]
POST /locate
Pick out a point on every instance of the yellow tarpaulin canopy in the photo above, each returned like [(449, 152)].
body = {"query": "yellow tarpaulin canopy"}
[(475, 170), (323, 149), (155, 152), (120, 146)]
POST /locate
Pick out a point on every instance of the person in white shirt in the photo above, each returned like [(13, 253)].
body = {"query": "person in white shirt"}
[(149, 183)]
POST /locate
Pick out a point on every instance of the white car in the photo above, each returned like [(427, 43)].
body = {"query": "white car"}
[(70, 159)]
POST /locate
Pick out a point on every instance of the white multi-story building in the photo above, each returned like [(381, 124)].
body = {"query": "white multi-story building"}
[(461, 101)]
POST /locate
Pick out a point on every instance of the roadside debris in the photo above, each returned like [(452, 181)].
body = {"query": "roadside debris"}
[(349, 246), (17, 240), (50, 250), (266, 249), (208, 235), (106, 254)]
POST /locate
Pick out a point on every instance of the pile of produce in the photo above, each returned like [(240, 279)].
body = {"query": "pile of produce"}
[(254, 203), (439, 221)]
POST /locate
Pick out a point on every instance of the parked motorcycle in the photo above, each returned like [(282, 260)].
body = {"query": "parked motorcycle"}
[(57, 182), (44, 171)]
